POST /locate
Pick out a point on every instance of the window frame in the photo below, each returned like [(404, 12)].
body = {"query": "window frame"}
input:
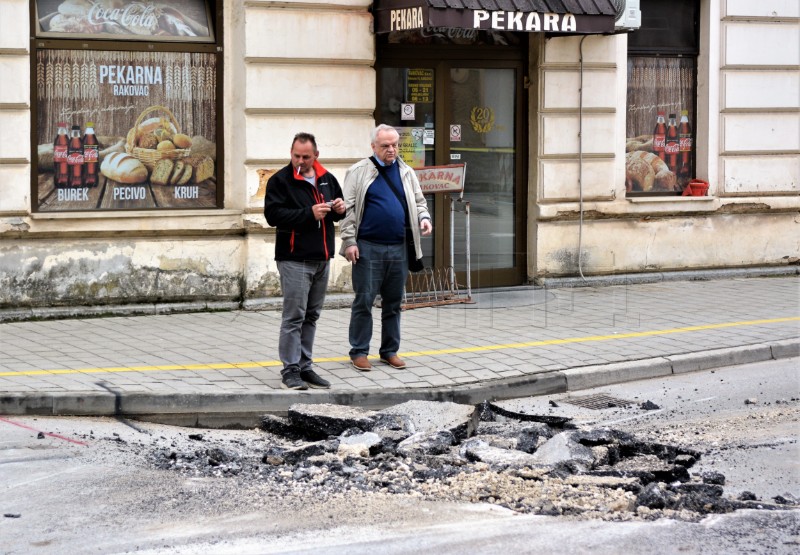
[(38, 43), (654, 11)]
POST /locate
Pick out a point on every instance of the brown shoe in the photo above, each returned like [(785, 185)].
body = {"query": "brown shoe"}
[(361, 363), (394, 361)]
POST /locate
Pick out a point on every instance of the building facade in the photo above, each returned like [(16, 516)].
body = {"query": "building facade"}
[(556, 116)]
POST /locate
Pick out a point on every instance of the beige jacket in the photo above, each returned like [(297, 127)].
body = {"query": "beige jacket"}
[(356, 182)]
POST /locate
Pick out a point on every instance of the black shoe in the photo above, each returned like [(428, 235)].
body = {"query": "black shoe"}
[(292, 380), (313, 379)]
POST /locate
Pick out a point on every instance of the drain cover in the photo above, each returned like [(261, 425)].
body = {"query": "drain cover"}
[(598, 401)]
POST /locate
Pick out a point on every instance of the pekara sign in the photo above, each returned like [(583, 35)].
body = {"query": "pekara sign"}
[(403, 15)]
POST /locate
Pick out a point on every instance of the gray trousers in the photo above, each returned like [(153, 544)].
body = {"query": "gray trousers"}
[(304, 285)]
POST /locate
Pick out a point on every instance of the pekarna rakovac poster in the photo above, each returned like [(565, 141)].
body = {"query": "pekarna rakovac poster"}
[(126, 130)]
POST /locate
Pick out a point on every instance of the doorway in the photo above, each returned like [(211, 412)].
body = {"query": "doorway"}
[(453, 109)]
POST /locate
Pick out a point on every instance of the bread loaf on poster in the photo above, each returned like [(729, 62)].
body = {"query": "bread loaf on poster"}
[(151, 124), (203, 167), (639, 175), (162, 171), (123, 168), (203, 147), (665, 180), (185, 176), (177, 172)]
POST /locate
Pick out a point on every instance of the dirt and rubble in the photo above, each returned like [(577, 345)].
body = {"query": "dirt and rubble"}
[(445, 452)]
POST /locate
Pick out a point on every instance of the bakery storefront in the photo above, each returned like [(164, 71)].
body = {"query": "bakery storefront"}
[(453, 78), (138, 137), (126, 112)]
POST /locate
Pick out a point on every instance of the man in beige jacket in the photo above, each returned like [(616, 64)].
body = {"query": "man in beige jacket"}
[(384, 204)]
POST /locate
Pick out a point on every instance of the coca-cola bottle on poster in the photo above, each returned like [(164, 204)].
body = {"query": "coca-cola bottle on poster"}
[(685, 146), (75, 157), (90, 156), (60, 146), (672, 144), (660, 135)]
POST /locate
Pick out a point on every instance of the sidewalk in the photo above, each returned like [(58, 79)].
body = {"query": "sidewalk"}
[(195, 368)]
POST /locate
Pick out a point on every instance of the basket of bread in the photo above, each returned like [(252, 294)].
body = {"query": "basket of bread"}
[(157, 138)]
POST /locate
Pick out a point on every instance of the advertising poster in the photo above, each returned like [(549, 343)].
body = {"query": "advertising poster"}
[(126, 130), (410, 146), (176, 20), (659, 144)]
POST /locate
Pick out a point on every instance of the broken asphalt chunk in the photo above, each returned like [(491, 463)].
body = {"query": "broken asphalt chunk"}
[(427, 443), (478, 450), (429, 416), (323, 420), (562, 448)]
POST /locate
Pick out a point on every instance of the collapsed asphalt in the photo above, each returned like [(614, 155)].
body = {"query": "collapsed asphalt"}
[(527, 463)]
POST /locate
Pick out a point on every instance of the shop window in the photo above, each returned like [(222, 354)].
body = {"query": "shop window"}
[(661, 98), (127, 105)]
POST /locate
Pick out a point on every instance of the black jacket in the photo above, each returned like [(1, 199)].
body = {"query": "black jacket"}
[(287, 206)]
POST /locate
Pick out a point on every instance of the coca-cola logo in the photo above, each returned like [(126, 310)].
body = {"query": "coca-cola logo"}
[(686, 143), (658, 141), (450, 34), (90, 154), (60, 153), (75, 158), (136, 15), (671, 148)]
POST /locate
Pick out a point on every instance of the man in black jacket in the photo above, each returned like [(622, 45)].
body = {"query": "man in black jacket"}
[(302, 201)]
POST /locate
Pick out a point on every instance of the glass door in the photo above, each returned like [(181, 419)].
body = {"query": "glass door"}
[(482, 133), (457, 111)]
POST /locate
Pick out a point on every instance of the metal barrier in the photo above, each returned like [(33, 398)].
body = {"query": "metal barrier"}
[(433, 287), (438, 286)]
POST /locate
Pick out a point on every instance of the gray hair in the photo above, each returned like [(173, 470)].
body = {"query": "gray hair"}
[(373, 137)]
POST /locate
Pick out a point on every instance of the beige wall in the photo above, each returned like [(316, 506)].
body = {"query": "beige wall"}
[(281, 76), (308, 66)]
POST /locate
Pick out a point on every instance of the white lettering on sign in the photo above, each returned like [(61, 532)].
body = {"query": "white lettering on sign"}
[(73, 194), (131, 90), (186, 191), (525, 21), (131, 75), (129, 193), (136, 14), (408, 18)]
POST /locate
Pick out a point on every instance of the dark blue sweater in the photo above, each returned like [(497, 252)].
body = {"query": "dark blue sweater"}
[(384, 218)]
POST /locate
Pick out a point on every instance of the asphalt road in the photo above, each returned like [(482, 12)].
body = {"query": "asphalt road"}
[(73, 485)]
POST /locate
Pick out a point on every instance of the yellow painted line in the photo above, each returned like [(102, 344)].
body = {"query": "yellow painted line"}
[(449, 351)]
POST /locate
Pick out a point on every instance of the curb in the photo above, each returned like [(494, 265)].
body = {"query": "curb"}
[(244, 410), (587, 377), (658, 277)]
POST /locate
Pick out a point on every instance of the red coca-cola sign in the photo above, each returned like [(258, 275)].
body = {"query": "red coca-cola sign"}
[(60, 153), (685, 144), (672, 147)]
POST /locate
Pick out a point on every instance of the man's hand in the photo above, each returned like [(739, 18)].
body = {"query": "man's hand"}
[(351, 254), (320, 210), (338, 205), (426, 226)]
